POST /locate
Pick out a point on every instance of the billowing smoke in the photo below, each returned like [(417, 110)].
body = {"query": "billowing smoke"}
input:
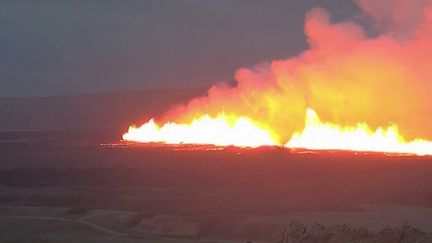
[(346, 76)]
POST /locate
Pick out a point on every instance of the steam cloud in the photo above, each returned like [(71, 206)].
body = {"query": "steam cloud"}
[(346, 75)]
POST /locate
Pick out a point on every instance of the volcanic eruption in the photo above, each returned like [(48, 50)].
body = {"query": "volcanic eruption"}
[(355, 88)]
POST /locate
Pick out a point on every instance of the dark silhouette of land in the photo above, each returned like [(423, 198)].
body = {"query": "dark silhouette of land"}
[(114, 111), (75, 183)]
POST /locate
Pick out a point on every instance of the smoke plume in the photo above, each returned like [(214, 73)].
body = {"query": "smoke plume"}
[(346, 76)]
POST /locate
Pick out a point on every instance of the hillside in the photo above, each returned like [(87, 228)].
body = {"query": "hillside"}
[(113, 111)]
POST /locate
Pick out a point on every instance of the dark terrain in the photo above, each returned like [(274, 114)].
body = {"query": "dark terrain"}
[(230, 193), (79, 183)]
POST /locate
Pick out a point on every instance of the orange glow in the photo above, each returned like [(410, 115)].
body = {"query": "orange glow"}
[(223, 130), (357, 82), (319, 135)]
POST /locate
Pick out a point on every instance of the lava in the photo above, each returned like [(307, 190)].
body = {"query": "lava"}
[(369, 81), (226, 130), (318, 135), (222, 130)]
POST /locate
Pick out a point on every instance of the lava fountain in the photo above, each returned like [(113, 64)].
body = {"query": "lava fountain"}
[(351, 90), (222, 130), (241, 132), (318, 135)]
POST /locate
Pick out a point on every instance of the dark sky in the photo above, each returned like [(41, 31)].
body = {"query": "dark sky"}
[(65, 47)]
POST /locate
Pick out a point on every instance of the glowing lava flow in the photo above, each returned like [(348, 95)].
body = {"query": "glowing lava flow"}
[(318, 135), (223, 130), (377, 78)]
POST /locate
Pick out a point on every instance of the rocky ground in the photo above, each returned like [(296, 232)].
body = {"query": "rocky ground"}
[(74, 186)]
